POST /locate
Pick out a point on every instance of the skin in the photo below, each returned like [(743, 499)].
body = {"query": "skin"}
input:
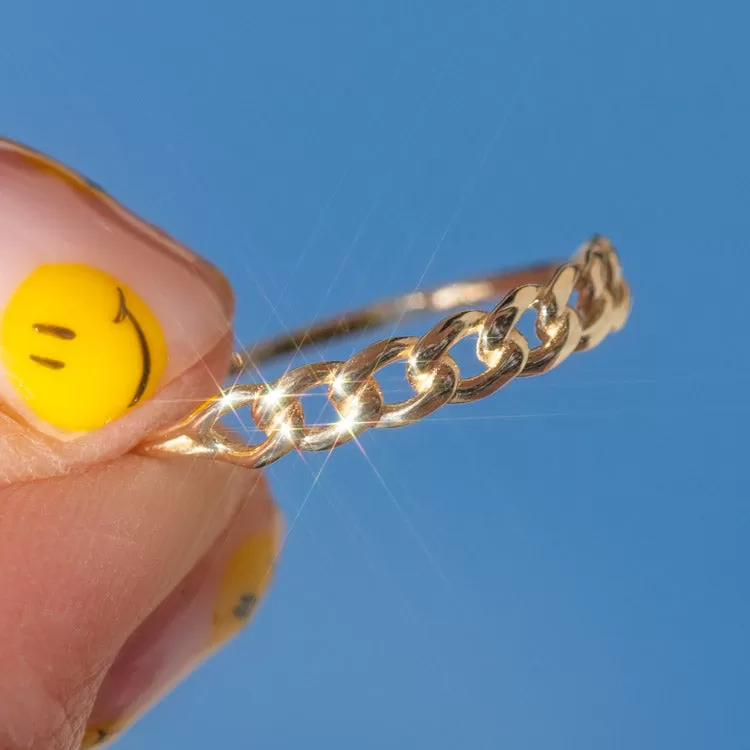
[(119, 572)]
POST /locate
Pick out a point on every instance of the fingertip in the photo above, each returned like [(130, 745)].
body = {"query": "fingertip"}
[(101, 314), (212, 605), (84, 561)]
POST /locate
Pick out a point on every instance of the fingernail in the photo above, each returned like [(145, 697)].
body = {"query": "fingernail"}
[(98, 736), (98, 309), (214, 603), (243, 582)]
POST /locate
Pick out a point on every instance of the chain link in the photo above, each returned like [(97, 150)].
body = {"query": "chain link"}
[(584, 300)]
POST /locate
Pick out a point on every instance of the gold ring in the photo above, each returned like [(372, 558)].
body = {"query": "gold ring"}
[(576, 305)]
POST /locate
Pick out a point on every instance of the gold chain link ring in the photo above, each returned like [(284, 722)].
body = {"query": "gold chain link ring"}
[(576, 305)]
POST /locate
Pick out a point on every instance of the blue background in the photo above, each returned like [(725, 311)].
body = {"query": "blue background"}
[(564, 565)]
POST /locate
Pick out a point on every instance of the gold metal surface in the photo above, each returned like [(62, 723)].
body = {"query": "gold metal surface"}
[(576, 305)]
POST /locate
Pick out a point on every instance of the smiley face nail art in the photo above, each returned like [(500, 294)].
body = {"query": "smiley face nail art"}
[(99, 736), (212, 604), (100, 314), (245, 578), (80, 347)]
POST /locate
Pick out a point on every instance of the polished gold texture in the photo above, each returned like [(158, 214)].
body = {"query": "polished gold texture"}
[(576, 305)]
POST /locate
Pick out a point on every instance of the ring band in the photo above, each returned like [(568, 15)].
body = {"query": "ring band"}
[(577, 304)]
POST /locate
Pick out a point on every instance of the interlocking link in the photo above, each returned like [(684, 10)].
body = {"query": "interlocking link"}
[(432, 390), (576, 305)]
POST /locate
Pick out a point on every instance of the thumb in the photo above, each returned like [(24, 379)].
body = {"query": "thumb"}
[(108, 330)]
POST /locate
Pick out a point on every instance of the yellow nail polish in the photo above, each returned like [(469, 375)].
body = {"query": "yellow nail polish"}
[(246, 576), (80, 347), (99, 735)]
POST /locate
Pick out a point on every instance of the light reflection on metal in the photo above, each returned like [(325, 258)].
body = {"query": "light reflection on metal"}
[(577, 304)]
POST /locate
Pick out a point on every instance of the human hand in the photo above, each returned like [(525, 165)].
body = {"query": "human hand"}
[(118, 572)]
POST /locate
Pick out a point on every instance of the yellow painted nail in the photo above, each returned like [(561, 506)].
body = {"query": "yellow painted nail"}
[(80, 347), (246, 577), (99, 735)]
